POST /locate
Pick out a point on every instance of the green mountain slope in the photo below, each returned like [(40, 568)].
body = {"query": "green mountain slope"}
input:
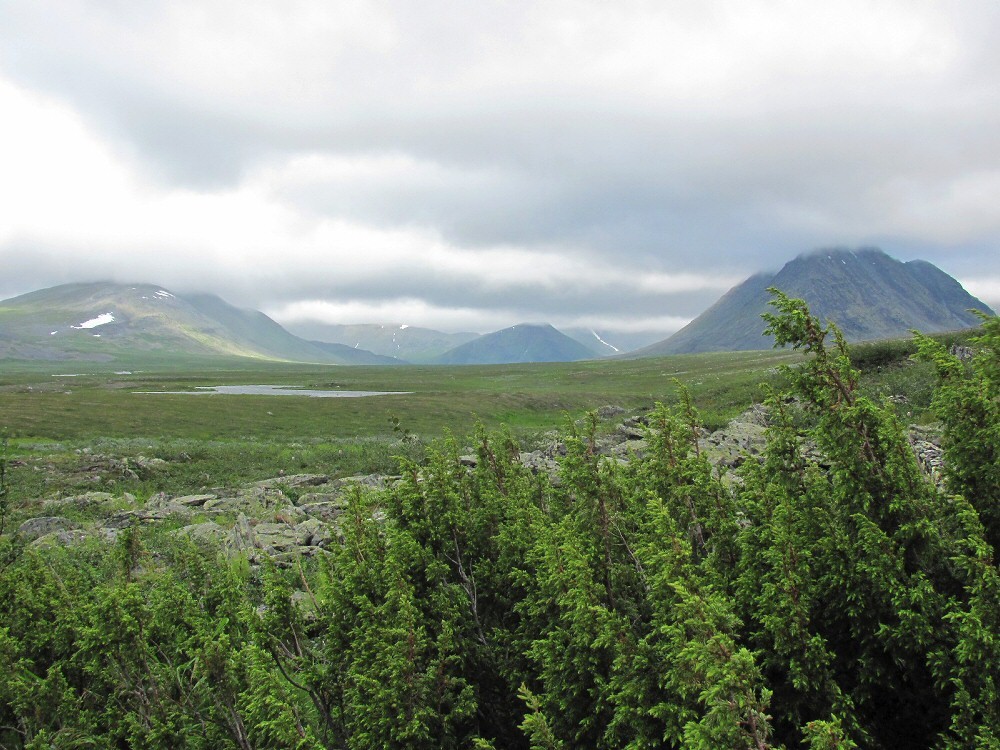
[(520, 343), (868, 294), (104, 321)]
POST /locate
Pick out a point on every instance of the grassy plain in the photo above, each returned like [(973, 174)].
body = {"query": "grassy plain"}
[(71, 424), (98, 401), (66, 422)]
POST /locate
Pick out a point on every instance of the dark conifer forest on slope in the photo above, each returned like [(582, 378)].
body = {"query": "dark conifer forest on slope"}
[(826, 594)]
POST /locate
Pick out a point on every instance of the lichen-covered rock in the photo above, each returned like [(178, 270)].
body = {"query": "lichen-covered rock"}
[(313, 498), (293, 481), (629, 450), (248, 500), (744, 436), (242, 536), (290, 514), (208, 531), (127, 518), (631, 431), (35, 528), (319, 534), (609, 411), (71, 537), (279, 537), (87, 500), (326, 511), (370, 481), (194, 501)]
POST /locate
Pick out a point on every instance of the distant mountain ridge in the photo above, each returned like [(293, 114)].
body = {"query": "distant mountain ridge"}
[(406, 342), (518, 344), (105, 321), (425, 345), (867, 293)]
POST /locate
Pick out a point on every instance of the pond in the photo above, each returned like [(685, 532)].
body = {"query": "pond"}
[(273, 390)]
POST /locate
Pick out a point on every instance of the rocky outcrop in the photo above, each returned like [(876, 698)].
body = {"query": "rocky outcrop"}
[(280, 541), (258, 520), (743, 437), (296, 515), (926, 445)]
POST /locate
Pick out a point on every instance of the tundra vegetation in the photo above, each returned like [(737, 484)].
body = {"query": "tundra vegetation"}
[(825, 594)]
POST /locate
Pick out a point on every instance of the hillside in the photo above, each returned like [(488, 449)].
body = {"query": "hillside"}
[(609, 343), (405, 342), (104, 321), (520, 343), (866, 292)]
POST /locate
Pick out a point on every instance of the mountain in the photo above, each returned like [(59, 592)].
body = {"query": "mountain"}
[(409, 343), (520, 343), (608, 343), (868, 294), (104, 321)]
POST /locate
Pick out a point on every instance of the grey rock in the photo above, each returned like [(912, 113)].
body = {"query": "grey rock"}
[(158, 500), (127, 518), (293, 481), (316, 533), (630, 432), (630, 450), (326, 511), (290, 514), (208, 532), (539, 462), (964, 353), (248, 499), (35, 528), (314, 498), (242, 536), (148, 463), (743, 437), (370, 481), (193, 501), (72, 537), (610, 411), (86, 500), (279, 537)]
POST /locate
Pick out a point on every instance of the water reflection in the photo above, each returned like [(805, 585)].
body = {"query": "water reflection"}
[(274, 390)]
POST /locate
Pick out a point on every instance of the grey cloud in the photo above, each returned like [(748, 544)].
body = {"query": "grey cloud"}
[(30, 266), (737, 171)]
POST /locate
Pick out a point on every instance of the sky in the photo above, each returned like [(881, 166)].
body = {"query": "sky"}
[(473, 165)]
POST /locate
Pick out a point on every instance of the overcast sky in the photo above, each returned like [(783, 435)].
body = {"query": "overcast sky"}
[(471, 165)]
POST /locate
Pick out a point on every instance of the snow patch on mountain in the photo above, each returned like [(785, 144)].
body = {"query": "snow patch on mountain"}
[(611, 346), (100, 320)]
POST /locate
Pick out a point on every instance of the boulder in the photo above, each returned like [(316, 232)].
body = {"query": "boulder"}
[(371, 481), (326, 511), (316, 533), (293, 481), (204, 532), (127, 518), (279, 537), (193, 501), (242, 537), (86, 500), (35, 528), (630, 431), (248, 499), (313, 498)]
